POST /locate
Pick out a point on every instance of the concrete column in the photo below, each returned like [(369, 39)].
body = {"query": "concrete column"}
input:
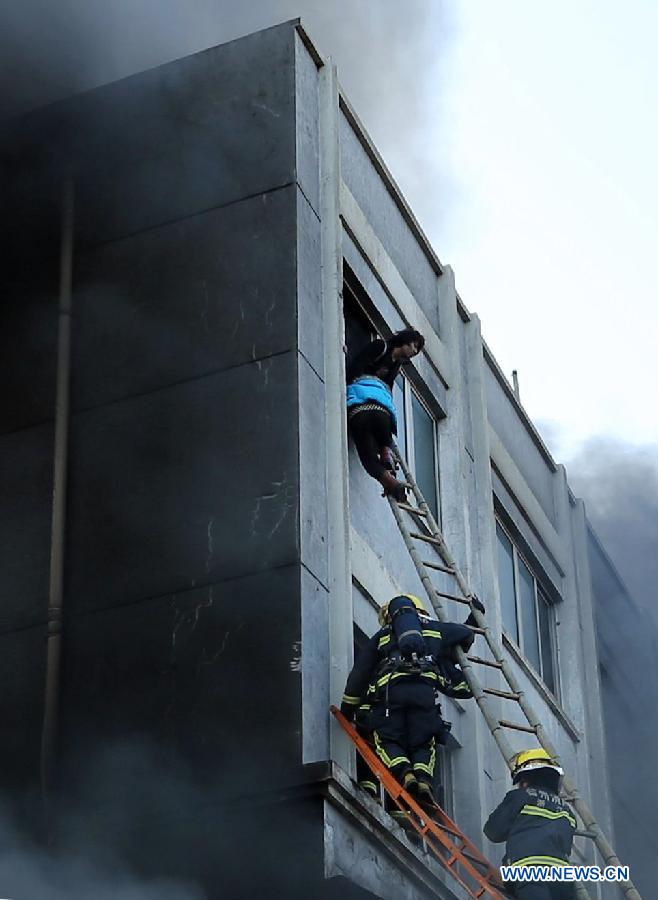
[(477, 784), (482, 495), (453, 472), (340, 577), (599, 785), (572, 668)]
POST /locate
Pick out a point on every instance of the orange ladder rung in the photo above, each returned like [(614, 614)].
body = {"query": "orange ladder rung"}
[(467, 855)]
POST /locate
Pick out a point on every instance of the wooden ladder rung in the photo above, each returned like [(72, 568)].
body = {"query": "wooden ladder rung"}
[(412, 509), (453, 597), (439, 568), (425, 537), (485, 662), (506, 695), (513, 725)]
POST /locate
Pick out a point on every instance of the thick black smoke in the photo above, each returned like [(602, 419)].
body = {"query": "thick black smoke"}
[(390, 57), (619, 484)]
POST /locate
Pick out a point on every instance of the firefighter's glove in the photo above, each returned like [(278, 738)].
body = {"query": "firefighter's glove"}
[(477, 603), (348, 711)]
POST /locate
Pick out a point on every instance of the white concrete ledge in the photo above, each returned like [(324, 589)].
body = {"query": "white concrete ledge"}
[(389, 277)]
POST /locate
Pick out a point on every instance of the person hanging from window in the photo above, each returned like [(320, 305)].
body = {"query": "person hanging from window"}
[(536, 823), (392, 690), (371, 412)]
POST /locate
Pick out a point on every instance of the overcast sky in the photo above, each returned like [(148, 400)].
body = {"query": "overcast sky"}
[(553, 147), (523, 135)]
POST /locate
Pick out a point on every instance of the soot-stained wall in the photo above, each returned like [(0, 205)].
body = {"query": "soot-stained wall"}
[(196, 348)]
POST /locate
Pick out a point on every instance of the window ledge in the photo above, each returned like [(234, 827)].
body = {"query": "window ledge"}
[(541, 688)]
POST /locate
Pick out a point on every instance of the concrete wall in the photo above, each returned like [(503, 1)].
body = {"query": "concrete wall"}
[(629, 688), (196, 560)]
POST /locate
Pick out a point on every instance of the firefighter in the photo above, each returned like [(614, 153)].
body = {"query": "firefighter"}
[(371, 412), (536, 823), (393, 688)]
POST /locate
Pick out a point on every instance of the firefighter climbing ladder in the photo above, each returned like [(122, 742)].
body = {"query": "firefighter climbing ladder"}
[(481, 694), (441, 835)]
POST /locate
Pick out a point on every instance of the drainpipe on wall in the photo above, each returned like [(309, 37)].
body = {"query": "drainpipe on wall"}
[(515, 379), (55, 595)]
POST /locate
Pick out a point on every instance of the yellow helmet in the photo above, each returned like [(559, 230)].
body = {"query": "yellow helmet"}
[(537, 758), (384, 618), (418, 603)]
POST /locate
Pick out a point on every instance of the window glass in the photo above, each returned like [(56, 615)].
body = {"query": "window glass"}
[(506, 584), (528, 615), (546, 641), (398, 400), (424, 455)]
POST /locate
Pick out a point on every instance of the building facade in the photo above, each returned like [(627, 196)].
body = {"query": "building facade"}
[(234, 228), (626, 639)]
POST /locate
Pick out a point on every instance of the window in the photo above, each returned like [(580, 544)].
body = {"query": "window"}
[(525, 608), (417, 436), (418, 440)]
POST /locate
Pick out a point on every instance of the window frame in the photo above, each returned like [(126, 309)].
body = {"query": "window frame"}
[(538, 585), (351, 297), (409, 437)]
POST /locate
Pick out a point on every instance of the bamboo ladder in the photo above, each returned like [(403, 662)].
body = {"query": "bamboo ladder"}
[(481, 694)]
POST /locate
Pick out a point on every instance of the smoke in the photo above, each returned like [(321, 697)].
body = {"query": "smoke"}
[(619, 484), (27, 871), (90, 856), (391, 58), (134, 822)]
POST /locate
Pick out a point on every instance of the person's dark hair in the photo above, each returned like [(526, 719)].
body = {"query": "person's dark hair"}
[(406, 336), (542, 779)]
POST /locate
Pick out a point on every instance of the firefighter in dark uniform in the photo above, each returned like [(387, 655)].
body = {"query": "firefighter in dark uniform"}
[(392, 691), (371, 413), (536, 823)]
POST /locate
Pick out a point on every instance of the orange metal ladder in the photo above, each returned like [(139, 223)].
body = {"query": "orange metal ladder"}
[(456, 853)]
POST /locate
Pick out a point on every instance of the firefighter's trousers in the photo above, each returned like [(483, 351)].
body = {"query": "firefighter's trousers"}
[(404, 725)]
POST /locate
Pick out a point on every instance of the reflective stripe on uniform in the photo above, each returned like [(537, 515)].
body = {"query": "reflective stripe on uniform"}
[(351, 701), (383, 755), (369, 786), (384, 639), (428, 632), (529, 810), (539, 861), (427, 767), (391, 676)]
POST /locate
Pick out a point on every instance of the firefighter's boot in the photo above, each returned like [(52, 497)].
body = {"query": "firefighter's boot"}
[(426, 797), (411, 784), (371, 788), (403, 818)]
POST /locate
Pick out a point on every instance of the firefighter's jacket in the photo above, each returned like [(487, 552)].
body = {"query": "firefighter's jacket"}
[(377, 665), (537, 825)]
